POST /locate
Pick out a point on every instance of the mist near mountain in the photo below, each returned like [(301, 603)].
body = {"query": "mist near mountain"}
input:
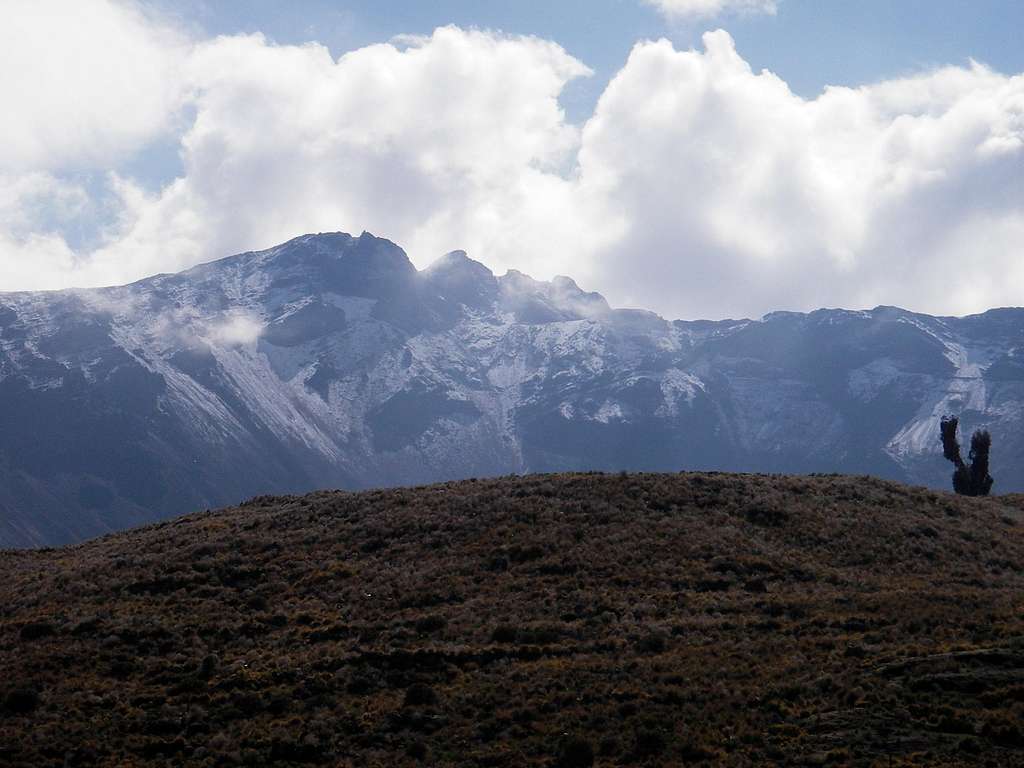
[(330, 361)]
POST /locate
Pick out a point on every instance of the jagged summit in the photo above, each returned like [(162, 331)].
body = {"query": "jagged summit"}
[(453, 260), (587, 304), (373, 267), (368, 266), (535, 301), (459, 280)]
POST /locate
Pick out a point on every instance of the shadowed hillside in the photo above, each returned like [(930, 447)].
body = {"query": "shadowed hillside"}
[(562, 620)]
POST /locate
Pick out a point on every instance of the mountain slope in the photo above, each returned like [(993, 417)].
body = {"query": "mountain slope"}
[(329, 361), (649, 619)]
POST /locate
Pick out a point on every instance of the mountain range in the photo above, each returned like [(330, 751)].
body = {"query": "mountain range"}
[(331, 361)]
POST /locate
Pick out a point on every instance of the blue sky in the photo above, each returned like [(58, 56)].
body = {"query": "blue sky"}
[(809, 43), (144, 142)]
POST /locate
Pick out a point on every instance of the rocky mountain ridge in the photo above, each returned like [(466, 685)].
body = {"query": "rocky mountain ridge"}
[(330, 361)]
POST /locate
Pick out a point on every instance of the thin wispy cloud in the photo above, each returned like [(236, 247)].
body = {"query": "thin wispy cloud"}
[(705, 9)]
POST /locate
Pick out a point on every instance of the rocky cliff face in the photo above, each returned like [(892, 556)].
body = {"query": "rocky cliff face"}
[(329, 361)]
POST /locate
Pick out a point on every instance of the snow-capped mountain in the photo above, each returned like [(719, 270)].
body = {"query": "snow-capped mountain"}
[(330, 361)]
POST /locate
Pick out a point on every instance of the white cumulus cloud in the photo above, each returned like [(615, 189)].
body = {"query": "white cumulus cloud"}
[(452, 140), (85, 82), (695, 9), (742, 197), (85, 85), (698, 187), (32, 254)]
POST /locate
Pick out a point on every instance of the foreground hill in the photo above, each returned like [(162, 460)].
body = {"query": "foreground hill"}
[(331, 362), (531, 621)]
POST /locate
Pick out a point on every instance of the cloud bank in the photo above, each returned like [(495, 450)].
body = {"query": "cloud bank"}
[(698, 188)]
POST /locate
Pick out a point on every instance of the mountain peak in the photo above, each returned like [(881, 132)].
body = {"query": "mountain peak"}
[(335, 261), (564, 282), (458, 279), (457, 261), (535, 301)]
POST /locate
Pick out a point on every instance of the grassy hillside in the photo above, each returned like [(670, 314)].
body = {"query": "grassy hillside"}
[(539, 621)]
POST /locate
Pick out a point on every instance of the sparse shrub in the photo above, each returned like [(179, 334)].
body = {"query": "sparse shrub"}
[(524, 554), (765, 514), (756, 586), (209, 665), (497, 564), (524, 715), (504, 633), (653, 641), (968, 479), (970, 746), (854, 651), (256, 603), (122, 668), (420, 695), (539, 635), (21, 701), (610, 746), (575, 752), (693, 751), (373, 545), (417, 751), (37, 630), (648, 741), (429, 624), (360, 685)]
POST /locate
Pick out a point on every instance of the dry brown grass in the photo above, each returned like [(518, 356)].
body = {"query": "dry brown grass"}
[(646, 619)]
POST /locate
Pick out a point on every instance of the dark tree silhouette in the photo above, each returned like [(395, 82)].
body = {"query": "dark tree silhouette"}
[(968, 479)]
